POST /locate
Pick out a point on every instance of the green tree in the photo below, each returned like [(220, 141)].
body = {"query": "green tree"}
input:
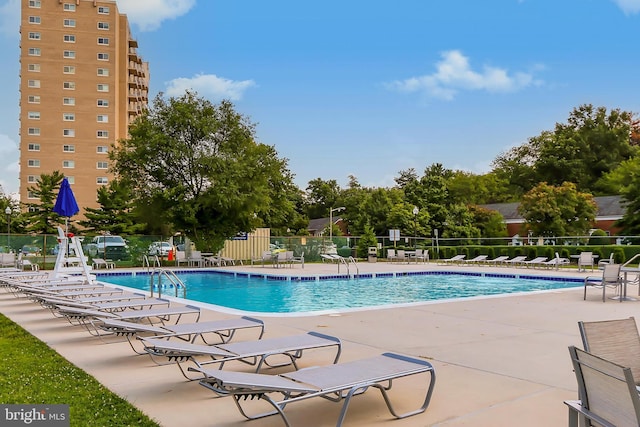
[(558, 211), (200, 163), (626, 178), (40, 217), (115, 213), (321, 197), (490, 223)]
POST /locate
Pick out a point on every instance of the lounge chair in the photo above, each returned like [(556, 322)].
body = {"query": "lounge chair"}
[(477, 260), (331, 257), (556, 262), (497, 261), (610, 279), (615, 340), (102, 263), (339, 382), (607, 392), (255, 353), (536, 262), (516, 261), (223, 330), (585, 260), (458, 259)]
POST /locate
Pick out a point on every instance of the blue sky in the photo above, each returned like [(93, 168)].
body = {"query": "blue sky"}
[(370, 88)]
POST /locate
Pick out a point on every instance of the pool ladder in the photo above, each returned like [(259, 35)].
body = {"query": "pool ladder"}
[(347, 262), (147, 263), (170, 281)]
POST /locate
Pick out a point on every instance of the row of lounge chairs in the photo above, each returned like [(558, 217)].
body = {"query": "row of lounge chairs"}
[(505, 261), (160, 329)]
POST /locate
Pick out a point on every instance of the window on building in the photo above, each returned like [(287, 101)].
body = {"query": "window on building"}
[(104, 41), (69, 133), (33, 147), (69, 69), (31, 178), (71, 179), (35, 4), (103, 72), (33, 99), (34, 20), (68, 101), (102, 149), (34, 67), (102, 134), (69, 38), (33, 131), (102, 87), (68, 117), (33, 163), (69, 85), (33, 83), (70, 7), (69, 23), (34, 51), (102, 165), (103, 56), (69, 148), (68, 164), (34, 115), (102, 180), (34, 36), (102, 118), (103, 25), (103, 102), (69, 54), (103, 10)]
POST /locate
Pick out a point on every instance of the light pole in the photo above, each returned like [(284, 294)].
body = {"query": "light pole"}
[(331, 211), (7, 212), (415, 226)]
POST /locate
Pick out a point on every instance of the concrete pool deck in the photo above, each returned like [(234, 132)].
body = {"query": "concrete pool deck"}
[(499, 361)]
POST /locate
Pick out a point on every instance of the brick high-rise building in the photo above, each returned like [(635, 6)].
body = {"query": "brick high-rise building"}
[(81, 84)]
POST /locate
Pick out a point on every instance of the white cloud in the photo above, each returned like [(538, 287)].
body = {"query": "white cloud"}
[(10, 18), (210, 86), (147, 15), (629, 7), (454, 73)]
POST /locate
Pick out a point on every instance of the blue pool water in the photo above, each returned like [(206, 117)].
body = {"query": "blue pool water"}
[(266, 295)]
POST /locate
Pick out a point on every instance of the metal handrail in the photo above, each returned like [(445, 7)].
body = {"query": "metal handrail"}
[(353, 260), (174, 280), (632, 258)]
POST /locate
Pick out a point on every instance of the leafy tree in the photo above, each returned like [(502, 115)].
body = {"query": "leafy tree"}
[(115, 213), (321, 197), (626, 178), (490, 223), (40, 217), (367, 239), (200, 163), (558, 211), (469, 188)]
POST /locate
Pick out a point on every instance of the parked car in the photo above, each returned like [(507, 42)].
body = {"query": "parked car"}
[(108, 247), (30, 250), (160, 248)]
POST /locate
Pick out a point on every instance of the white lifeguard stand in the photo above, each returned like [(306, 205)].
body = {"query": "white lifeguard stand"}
[(75, 265)]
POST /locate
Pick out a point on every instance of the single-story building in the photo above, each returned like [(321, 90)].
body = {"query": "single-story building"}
[(319, 225)]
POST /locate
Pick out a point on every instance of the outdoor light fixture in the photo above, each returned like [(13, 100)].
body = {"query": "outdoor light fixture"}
[(331, 211), (7, 212), (415, 226)]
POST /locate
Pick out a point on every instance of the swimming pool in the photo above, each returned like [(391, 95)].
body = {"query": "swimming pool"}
[(276, 294)]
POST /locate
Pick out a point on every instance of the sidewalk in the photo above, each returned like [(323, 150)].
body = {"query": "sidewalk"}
[(499, 361)]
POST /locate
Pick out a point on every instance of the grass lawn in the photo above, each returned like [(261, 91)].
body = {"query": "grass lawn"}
[(33, 373)]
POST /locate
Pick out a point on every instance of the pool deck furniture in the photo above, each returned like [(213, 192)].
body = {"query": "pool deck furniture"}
[(585, 259), (607, 392), (480, 259), (536, 262), (458, 259), (610, 279), (336, 383), (258, 353), (516, 261)]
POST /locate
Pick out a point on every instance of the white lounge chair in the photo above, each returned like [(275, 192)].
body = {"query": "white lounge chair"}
[(556, 262), (255, 353), (497, 261), (458, 259), (478, 259), (102, 263), (536, 262), (339, 382), (516, 261)]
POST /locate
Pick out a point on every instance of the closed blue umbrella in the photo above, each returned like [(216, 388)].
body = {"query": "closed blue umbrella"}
[(66, 204)]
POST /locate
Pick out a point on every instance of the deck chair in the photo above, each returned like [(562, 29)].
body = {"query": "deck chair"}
[(196, 259), (497, 261), (255, 353), (223, 330), (477, 260), (615, 340), (392, 255), (266, 256), (336, 383), (516, 261), (102, 263), (536, 262), (609, 260), (585, 260), (458, 259), (610, 279), (555, 262), (421, 255), (607, 392)]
